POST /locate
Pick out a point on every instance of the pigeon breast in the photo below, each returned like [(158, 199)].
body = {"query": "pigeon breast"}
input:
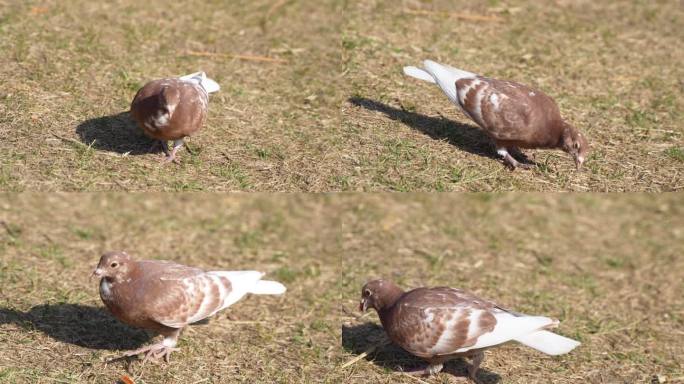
[(183, 119)]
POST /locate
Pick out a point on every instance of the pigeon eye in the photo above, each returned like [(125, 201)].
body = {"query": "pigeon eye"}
[(577, 145), (114, 264), (366, 292)]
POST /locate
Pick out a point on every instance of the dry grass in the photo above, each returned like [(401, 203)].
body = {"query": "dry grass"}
[(609, 267), (614, 67), (71, 69), (54, 329)]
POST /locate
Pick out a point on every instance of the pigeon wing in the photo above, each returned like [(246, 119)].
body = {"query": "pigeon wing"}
[(176, 295), (180, 302), (506, 110), (438, 321), (445, 321)]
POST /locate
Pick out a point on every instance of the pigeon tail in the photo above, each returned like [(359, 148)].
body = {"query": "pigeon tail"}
[(548, 342), (268, 287), (446, 77), (419, 74), (209, 85), (244, 282)]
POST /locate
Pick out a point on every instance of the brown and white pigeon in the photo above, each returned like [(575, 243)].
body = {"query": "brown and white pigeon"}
[(164, 297), (512, 114), (173, 109), (442, 323)]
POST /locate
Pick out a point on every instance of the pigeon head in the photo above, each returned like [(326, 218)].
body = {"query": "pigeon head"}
[(168, 100), (114, 266), (379, 294), (575, 143)]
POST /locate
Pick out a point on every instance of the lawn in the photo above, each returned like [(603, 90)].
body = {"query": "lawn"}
[(608, 267), (614, 67), (55, 329), (313, 97), (70, 69)]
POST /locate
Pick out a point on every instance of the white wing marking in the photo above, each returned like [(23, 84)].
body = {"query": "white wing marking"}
[(507, 328)]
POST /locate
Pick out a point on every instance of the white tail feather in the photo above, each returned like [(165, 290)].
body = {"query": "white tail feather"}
[(418, 74), (446, 70), (446, 77), (508, 327), (244, 282), (548, 342), (201, 78), (267, 287)]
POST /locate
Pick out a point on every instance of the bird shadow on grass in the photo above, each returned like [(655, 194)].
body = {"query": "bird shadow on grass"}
[(81, 325), (463, 136), (358, 339), (115, 133)]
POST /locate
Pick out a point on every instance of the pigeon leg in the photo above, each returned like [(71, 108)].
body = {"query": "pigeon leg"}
[(509, 161), (165, 146), (177, 144), (431, 369), (472, 370), (518, 154), (153, 148)]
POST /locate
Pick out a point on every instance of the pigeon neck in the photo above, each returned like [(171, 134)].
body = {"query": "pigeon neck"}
[(566, 136), (389, 299)]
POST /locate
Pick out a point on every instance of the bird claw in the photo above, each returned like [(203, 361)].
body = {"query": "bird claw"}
[(152, 352), (164, 352), (171, 155), (512, 163), (510, 166), (427, 371), (170, 159), (417, 372)]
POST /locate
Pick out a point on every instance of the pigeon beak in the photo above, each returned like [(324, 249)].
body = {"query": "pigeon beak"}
[(578, 162), (96, 273), (363, 305)]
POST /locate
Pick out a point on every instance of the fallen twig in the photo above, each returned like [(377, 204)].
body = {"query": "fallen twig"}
[(360, 356), (620, 329), (458, 15), (70, 140), (247, 322), (236, 56), (273, 8), (414, 378)]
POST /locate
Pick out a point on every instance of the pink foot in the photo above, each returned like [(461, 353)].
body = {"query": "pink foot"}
[(171, 156), (153, 352)]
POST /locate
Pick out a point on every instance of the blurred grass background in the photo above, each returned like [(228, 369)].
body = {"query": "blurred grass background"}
[(609, 267), (54, 328), (612, 66)]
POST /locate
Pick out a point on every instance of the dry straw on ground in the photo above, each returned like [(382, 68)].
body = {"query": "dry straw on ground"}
[(70, 69), (613, 67), (313, 96), (54, 328), (609, 267)]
